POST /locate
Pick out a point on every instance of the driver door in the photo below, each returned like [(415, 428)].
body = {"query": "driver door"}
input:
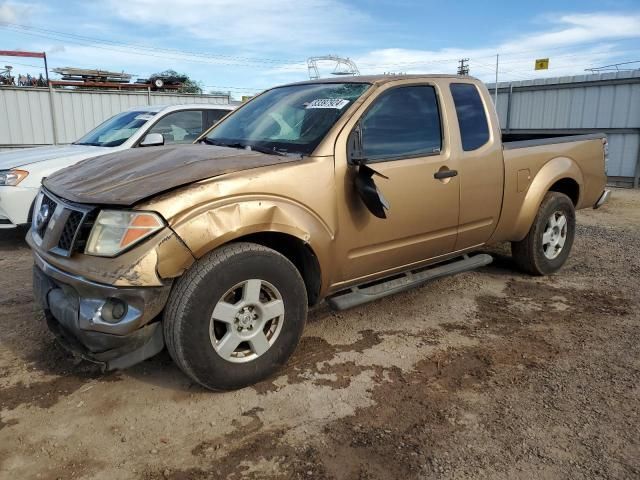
[(402, 139)]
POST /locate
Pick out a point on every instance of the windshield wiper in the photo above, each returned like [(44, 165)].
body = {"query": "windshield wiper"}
[(267, 150), (256, 148)]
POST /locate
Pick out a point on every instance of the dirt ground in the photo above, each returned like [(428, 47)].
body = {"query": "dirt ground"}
[(490, 374)]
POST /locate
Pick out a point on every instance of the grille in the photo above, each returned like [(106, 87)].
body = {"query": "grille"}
[(69, 231), (85, 230), (51, 205)]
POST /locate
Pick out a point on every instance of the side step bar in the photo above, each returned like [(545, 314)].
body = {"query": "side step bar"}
[(370, 291)]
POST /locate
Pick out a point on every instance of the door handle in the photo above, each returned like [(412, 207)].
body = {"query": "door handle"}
[(442, 174)]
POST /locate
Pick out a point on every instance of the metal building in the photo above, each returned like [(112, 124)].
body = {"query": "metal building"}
[(42, 116), (604, 102)]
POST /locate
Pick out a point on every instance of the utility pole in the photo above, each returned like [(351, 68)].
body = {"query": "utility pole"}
[(46, 67), (463, 67), (495, 95)]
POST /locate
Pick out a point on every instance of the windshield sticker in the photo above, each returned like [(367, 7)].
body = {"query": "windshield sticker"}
[(337, 103), (144, 116)]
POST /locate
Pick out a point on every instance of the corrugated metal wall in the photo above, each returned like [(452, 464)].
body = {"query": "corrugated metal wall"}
[(25, 117), (606, 102), (25, 113)]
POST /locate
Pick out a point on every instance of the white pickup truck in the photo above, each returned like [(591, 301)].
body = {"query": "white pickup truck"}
[(22, 171)]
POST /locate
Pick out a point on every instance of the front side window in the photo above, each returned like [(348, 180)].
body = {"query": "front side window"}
[(472, 118), (403, 122), (117, 130), (180, 127), (290, 119), (215, 115)]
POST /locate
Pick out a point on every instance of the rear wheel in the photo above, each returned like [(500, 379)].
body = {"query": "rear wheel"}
[(548, 244), (236, 316)]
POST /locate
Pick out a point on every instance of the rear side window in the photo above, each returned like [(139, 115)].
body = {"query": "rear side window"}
[(472, 118), (403, 122)]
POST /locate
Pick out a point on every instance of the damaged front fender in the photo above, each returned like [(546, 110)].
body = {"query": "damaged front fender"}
[(209, 228)]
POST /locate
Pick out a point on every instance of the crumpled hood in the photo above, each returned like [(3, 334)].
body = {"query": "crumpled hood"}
[(127, 177), (26, 156)]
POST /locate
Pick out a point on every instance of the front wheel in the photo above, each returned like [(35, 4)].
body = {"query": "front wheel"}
[(236, 316), (548, 244)]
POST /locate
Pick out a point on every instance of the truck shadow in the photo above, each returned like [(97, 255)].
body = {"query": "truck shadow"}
[(503, 264), (12, 239), (161, 371)]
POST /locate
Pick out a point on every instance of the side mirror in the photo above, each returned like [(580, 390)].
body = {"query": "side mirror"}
[(152, 140), (368, 191), (364, 184)]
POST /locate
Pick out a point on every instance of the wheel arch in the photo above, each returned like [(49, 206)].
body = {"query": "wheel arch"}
[(297, 252), (288, 228), (561, 174), (569, 187)]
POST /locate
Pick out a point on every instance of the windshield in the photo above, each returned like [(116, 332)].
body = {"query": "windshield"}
[(117, 130), (291, 119)]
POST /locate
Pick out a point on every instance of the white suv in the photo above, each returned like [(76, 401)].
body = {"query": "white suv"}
[(22, 171)]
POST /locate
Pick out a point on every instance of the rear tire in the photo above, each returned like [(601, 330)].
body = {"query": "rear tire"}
[(236, 316), (547, 245)]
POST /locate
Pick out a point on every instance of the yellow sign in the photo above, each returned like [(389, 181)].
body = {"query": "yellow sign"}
[(542, 64)]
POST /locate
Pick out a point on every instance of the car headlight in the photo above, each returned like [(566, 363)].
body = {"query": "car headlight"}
[(116, 230), (11, 178)]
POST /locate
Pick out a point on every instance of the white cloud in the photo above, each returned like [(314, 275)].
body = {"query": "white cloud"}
[(253, 23), (11, 12), (573, 43), (580, 28)]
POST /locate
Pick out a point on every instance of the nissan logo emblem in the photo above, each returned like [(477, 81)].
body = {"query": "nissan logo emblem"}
[(43, 216)]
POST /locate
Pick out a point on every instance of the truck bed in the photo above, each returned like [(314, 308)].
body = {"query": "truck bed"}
[(533, 162), (522, 140)]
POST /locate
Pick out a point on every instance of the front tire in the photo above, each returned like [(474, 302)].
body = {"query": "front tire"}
[(546, 247), (236, 316)]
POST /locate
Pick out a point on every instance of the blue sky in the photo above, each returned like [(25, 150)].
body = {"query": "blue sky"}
[(247, 46)]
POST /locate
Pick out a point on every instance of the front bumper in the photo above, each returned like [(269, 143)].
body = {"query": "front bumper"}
[(604, 198), (74, 307), (15, 204)]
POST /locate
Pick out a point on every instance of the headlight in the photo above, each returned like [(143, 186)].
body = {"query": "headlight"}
[(117, 230), (12, 177)]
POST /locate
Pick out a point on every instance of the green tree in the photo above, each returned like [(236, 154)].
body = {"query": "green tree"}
[(188, 86)]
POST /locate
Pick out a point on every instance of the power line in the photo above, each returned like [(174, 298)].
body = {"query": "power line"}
[(211, 61), (519, 57), (24, 64), (615, 67), (241, 89), (546, 49), (501, 70), (243, 61), (405, 64), (54, 34)]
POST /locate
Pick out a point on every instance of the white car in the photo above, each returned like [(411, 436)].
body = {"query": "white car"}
[(22, 171)]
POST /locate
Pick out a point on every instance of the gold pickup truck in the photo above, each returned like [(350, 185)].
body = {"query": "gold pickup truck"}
[(344, 190)]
